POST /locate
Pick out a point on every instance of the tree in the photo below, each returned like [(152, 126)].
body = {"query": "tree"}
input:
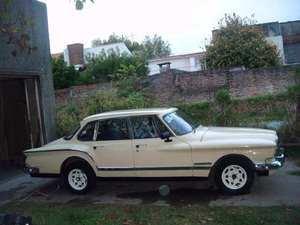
[(79, 4), (109, 67), (63, 76), (155, 47), (238, 42), (151, 47)]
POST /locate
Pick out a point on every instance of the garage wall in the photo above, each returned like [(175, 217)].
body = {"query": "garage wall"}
[(37, 63)]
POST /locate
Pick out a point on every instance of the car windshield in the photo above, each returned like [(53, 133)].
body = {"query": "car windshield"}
[(180, 123), (71, 134)]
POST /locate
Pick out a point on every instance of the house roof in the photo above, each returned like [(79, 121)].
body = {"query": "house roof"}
[(201, 54), (57, 55)]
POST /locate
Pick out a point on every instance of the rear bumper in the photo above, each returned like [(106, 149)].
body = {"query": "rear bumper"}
[(275, 162), (35, 172), (32, 171)]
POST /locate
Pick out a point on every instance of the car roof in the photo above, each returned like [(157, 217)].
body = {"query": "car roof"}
[(129, 112)]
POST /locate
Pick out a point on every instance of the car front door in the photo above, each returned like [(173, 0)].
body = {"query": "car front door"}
[(113, 148), (154, 157)]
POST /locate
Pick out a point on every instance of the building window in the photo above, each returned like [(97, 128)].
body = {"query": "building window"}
[(163, 67)]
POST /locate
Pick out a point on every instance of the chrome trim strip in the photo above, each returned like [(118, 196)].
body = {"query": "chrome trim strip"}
[(152, 168)]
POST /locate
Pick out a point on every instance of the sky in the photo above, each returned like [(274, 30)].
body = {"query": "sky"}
[(185, 24)]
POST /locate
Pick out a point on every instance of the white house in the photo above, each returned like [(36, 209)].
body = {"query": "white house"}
[(186, 62), (77, 55)]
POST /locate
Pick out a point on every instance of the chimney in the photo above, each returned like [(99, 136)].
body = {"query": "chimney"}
[(76, 56)]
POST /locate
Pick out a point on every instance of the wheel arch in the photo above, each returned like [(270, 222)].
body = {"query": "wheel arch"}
[(75, 159), (229, 156)]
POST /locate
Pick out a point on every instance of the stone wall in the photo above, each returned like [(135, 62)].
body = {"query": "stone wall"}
[(176, 86)]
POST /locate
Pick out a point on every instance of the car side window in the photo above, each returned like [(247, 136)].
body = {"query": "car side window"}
[(87, 133), (113, 129), (161, 127), (144, 127)]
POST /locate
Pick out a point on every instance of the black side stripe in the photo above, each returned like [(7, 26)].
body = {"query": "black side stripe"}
[(154, 168), (202, 163)]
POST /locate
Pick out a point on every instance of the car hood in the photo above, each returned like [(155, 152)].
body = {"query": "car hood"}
[(231, 137), (213, 133)]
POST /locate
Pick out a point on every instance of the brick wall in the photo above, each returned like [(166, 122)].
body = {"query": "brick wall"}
[(77, 93), (175, 86)]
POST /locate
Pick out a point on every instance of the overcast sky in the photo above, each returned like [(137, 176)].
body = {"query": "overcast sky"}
[(186, 24)]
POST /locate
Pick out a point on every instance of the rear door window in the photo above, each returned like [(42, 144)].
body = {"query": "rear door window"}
[(113, 129)]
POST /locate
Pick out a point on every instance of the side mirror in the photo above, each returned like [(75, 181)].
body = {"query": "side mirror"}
[(166, 136)]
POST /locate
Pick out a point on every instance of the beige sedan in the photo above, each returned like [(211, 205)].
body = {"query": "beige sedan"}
[(158, 142)]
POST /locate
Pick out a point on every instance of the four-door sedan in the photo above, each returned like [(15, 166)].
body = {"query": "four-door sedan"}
[(158, 142)]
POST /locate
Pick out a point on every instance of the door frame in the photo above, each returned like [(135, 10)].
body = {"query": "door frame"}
[(11, 75)]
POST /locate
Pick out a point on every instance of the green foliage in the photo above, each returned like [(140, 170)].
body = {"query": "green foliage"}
[(224, 107), (154, 47), (150, 47), (79, 4), (70, 115), (223, 97), (116, 67), (238, 42), (63, 76)]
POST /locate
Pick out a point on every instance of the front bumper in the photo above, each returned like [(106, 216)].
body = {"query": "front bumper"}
[(275, 162)]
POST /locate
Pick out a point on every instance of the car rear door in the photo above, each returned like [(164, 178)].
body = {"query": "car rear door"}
[(154, 157), (113, 148)]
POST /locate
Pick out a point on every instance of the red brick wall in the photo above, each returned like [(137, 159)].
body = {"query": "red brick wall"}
[(77, 93), (174, 86)]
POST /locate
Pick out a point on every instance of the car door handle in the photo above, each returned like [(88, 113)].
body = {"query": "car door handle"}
[(137, 147), (98, 147), (141, 145)]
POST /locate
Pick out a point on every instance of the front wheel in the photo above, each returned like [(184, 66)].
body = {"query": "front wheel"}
[(79, 178), (235, 176)]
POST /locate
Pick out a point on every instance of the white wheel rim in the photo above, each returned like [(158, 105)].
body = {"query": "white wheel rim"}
[(234, 177), (77, 179)]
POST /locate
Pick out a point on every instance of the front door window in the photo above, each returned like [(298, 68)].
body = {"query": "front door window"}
[(144, 127), (87, 133)]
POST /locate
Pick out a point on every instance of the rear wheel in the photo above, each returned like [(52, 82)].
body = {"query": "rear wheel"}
[(235, 176), (79, 178)]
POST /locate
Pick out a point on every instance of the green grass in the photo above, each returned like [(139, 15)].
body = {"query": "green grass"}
[(294, 173), (75, 214), (293, 153)]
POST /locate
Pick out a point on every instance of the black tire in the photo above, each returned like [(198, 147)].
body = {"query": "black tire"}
[(86, 172), (239, 165)]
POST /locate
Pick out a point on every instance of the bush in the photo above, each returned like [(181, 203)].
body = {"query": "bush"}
[(115, 67), (69, 116), (63, 76), (252, 112)]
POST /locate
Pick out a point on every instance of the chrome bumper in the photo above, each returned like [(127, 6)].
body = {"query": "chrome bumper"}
[(275, 162)]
